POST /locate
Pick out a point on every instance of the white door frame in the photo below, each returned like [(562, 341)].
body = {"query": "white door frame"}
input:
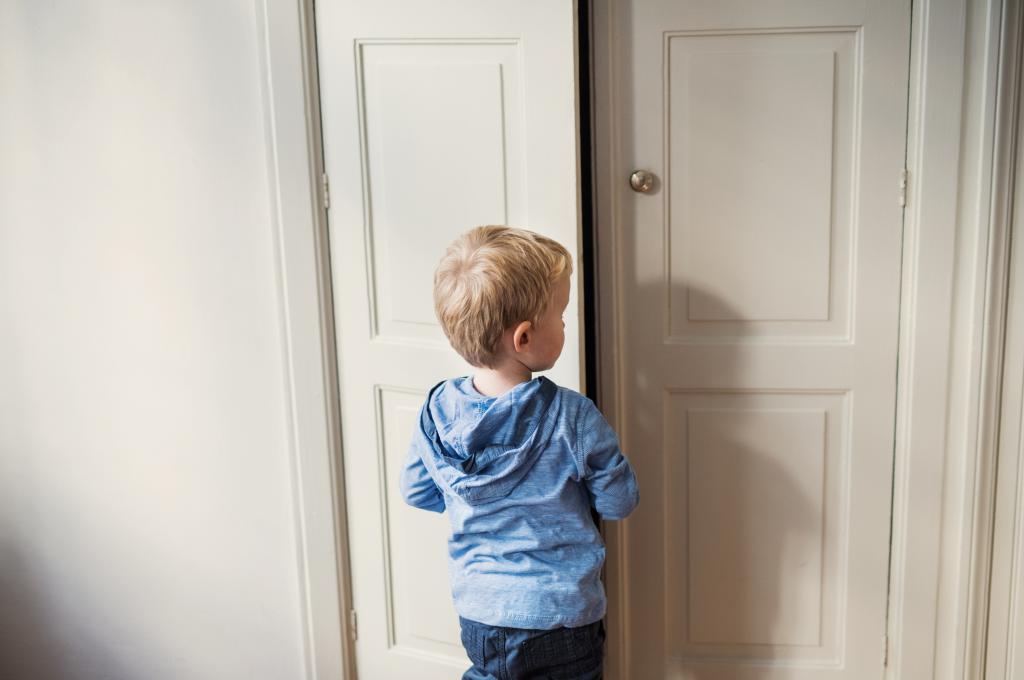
[(946, 357), (950, 344), (999, 586), (955, 255), (995, 576), (291, 116)]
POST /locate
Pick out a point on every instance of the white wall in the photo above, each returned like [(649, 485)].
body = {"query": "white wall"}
[(146, 517)]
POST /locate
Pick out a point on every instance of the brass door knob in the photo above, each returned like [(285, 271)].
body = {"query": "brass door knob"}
[(641, 181)]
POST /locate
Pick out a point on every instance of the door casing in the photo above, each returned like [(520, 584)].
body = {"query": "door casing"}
[(952, 293)]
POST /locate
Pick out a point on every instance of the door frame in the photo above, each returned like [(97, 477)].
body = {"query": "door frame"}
[(946, 359), (951, 343), (950, 336), (286, 38), (997, 522)]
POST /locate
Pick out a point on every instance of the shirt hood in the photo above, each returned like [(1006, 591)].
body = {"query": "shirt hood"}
[(480, 447)]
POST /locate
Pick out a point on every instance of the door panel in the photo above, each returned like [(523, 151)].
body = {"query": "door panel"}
[(757, 311), (437, 118), (750, 175)]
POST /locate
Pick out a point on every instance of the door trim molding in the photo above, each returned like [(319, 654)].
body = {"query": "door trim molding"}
[(995, 588), (291, 114), (1007, 35), (953, 314)]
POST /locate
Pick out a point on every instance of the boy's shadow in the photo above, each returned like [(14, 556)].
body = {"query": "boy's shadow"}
[(735, 501)]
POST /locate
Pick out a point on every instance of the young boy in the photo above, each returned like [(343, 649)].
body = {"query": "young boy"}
[(517, 462)]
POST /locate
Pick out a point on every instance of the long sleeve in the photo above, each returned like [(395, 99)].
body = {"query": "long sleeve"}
[(608, 476), (418, 489)]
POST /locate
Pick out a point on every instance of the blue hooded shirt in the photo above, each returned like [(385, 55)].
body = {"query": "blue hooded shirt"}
[(518, 474)]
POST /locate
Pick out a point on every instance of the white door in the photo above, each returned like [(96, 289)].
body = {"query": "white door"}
[(756, 315), (437, 117)]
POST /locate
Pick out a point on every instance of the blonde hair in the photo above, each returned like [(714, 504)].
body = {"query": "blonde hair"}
[(490, 279)]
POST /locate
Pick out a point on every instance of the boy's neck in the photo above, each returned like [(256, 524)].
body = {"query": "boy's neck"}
[(495, 381)]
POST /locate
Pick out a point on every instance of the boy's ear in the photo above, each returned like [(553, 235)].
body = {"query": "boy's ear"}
[(521, 335)]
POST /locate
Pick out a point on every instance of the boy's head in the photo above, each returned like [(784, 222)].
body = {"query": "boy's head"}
[(495, 279)]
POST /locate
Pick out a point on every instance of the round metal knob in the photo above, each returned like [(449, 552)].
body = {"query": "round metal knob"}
[(641, 181)]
